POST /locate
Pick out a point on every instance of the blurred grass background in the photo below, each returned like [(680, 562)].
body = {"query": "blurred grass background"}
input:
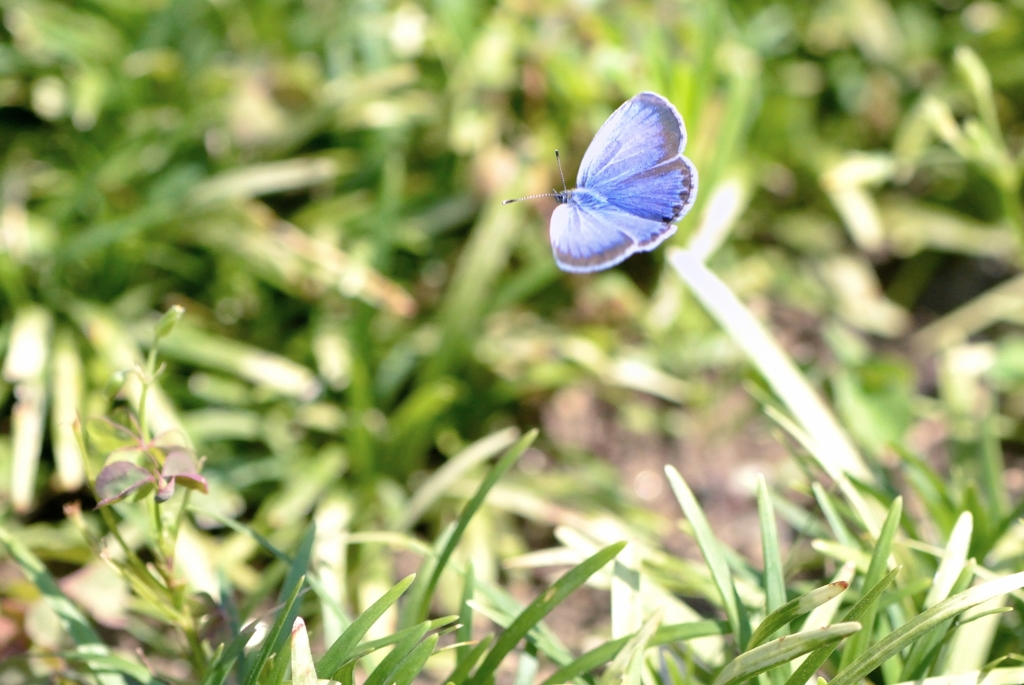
[(318, 184)]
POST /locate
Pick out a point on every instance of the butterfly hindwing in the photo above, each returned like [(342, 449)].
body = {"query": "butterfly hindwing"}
[(591, 236)]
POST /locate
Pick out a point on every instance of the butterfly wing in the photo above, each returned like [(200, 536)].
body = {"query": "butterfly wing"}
[(587, 234), (635, 161)]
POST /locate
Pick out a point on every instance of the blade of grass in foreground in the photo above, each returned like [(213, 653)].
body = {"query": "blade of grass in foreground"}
[(781, 651), (540, 608), (713, 556), (342, 648), (876, 570), (421, 595), (255, 668), (793, 610), (73, 621), (774, 580), (816, 658), (663, 636), (921, 624), (834, 452)]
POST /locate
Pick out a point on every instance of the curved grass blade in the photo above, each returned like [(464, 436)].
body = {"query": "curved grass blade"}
[(419, 601), (794, 609), (713, 556), (774, 578), (663, 636), (255, 667), (816, 658), (413, 664), (781, 651), (389, 665), (540, 608), (625, 667), (466, 664), (876, 570), (921, 624), (340, 651)]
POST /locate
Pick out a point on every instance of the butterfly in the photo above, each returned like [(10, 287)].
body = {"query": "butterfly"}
[(633, 185)]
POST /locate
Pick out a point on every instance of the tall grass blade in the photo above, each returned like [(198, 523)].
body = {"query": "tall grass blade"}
[(88, 641), (665, 635), (540, 608), (794, 609), (255, 667), (833, 449), (781, 651), (807, 669), (713, 556), (344, 646), (922, 624), (876, 571), (421, 595)]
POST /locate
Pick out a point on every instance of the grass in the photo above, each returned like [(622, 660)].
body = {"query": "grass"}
[(358, 343)]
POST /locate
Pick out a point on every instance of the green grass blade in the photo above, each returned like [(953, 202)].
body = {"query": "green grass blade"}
[(420, 599), (339, 652), (73, 621), (921, 624), (412, 665), (604, 653), (876, 570), (371, 646), (441, 481), (625, 667), (389, 665), (793, 609), (713, 556), (781, 651), (835, 521), (995, 676), (465, 665), (465, 631), (832, 449), (816, 658), (774, 576), (540, 608), (255, 667)]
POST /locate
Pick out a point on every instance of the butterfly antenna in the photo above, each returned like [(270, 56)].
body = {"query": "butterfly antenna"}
[(552, 194), (528, 197), (558, 160)]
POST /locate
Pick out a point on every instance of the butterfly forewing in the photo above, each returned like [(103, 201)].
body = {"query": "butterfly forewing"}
[(642, 133)]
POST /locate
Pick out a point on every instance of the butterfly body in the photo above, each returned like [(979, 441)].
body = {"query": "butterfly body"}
[(633, 185)]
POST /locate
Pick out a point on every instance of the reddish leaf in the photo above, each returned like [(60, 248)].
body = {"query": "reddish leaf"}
[(181, 467), (119, 479)]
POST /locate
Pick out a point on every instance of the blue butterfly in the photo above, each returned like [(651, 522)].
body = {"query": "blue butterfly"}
[(633, 185)]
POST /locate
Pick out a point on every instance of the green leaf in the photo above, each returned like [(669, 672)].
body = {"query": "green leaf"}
[(876, 570), (713, 556), (540, 608), (389, 665), (339, 652), (255, 667), (794, 609), (465, 664), (89, 644), (814, 660), (781, 651), (412, 666), (774, 577), (420, 597), (922, 624), (665, 635)]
